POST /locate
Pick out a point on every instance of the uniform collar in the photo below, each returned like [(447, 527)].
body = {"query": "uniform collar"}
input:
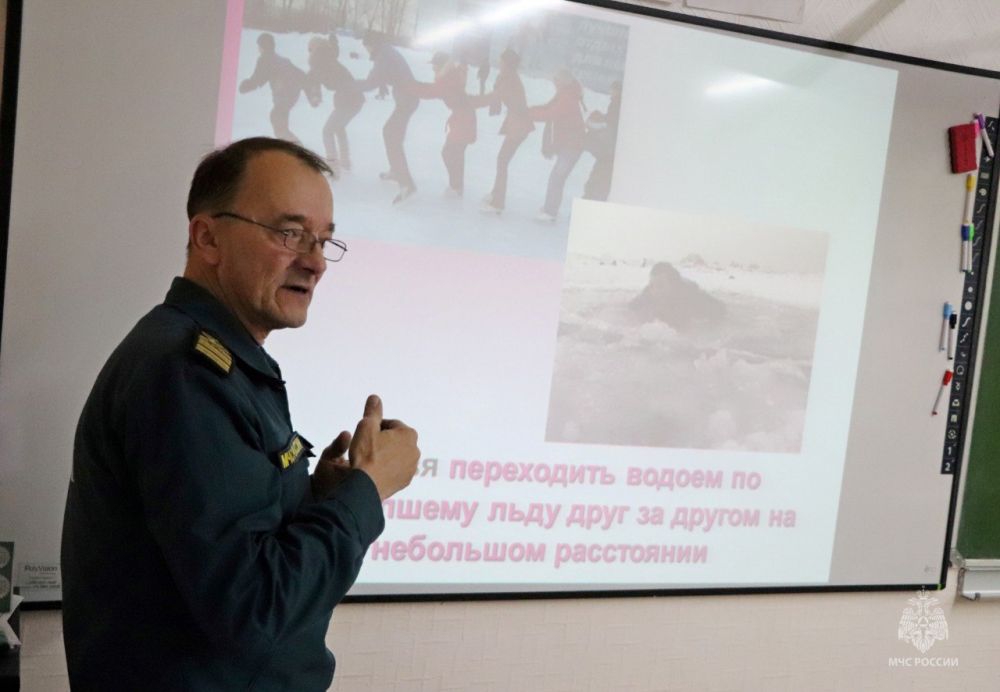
[(211, 315)]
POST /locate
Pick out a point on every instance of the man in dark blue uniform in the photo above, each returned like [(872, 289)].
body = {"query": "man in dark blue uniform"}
[(198, 552)]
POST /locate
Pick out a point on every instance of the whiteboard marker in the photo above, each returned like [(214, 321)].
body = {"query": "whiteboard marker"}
[(984, 134), (945, 381), (942, 343), (966, 254), (970, 197), (952, 331), (972, 240)]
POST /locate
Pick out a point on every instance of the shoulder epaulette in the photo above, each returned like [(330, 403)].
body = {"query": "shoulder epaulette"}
[(212, 349)]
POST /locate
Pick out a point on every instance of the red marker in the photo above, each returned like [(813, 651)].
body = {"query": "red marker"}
[(945, 381)]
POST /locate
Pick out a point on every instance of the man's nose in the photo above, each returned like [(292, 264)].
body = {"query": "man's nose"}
[(314, 260)]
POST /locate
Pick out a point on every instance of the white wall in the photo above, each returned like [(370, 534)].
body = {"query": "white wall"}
[(836, 641), (800, 642)]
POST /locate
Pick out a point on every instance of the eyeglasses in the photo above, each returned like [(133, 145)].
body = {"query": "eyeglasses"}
[(297, 239)]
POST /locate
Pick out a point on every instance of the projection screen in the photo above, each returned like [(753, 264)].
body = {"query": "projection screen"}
[(662, 299)]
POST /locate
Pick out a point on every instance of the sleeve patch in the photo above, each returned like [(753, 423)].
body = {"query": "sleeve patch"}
[(297, 448), (210, 347)]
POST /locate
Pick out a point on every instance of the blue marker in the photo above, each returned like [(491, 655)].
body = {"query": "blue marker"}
[(944, 327)]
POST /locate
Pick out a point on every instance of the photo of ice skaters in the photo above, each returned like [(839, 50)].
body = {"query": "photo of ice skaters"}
[(685, 332), (446, 122)]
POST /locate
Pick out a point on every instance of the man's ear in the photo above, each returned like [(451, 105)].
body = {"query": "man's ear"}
[(203, 238)]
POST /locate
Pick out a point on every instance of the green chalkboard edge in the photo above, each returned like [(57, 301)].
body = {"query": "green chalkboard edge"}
[(979, 524)]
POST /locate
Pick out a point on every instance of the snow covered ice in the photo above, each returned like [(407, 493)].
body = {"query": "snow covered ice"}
[(719, 357)]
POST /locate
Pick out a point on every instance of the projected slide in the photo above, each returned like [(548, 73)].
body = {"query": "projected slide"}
[(479, 137), (721, 317), (588, 263)]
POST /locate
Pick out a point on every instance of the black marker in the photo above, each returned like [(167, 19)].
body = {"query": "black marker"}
[(952, 324)]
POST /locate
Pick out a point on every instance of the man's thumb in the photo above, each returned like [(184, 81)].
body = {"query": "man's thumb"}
[(373, 409)]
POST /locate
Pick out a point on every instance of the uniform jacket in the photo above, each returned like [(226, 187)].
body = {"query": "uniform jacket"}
[(193, 555)]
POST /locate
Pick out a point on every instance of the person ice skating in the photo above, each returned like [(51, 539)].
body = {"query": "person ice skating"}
[(326, 70), (390, 69), (562, 139), (449, 86), (602, 136), (286, 81), (508, 92)]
